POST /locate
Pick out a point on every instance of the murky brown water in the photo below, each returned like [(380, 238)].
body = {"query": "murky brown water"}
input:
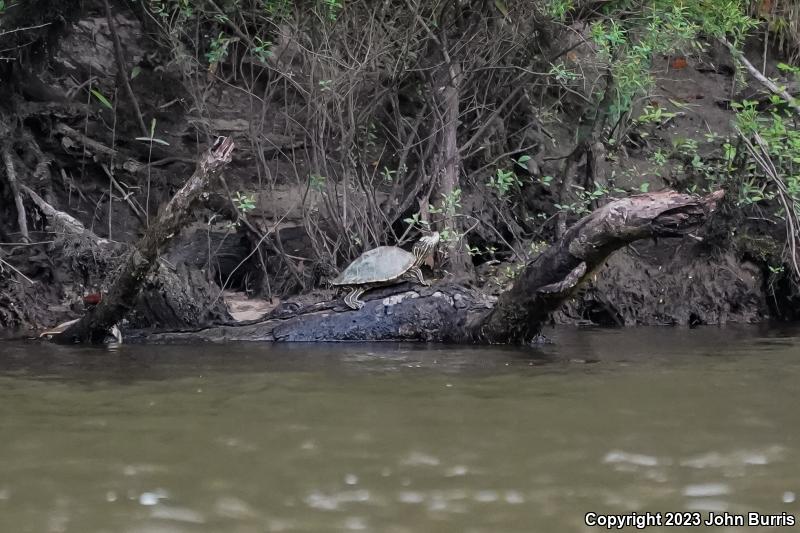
[(387, 438)]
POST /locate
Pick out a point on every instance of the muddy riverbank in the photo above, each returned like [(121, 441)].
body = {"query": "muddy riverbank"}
[(278, 228)]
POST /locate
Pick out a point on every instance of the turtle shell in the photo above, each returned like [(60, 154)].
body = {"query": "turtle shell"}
[(385, 263)]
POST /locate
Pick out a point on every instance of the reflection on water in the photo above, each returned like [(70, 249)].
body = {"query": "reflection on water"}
[(398, 438)]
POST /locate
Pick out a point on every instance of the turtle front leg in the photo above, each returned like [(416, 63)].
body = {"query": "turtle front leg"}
[(417, 273), (352, 300)]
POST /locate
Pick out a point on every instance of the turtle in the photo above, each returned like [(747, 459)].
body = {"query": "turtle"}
[(385, 265)]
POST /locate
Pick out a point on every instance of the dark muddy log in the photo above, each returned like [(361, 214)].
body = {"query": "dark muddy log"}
[(140, 260), (399, 313), (450, 313)]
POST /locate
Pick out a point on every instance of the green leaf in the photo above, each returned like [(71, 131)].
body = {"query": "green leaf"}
[(153, 140), (103, 100), (644, 187), (153, 128), (135, 71), (501, 7)]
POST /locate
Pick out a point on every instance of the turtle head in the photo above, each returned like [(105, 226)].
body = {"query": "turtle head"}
[(424, 247)]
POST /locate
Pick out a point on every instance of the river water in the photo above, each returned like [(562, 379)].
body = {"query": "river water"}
[(399, 438)]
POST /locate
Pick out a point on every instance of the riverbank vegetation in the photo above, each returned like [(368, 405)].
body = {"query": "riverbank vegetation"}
[(499, 124)]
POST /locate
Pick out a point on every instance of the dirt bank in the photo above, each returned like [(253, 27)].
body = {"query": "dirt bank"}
[(277, 227)]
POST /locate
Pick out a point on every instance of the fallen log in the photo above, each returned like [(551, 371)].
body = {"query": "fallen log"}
[(142, 257), (451, 313)]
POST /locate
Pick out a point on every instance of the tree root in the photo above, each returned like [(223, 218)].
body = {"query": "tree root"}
[(11, 177)]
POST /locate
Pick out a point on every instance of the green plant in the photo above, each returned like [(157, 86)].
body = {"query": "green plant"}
[(685, 147), (522, 161), (449, 206), (659, 157), (771, 170), (503, 181), (585, 199), (388, 175), (277, 8), (166, 8), (317, 182), (628, 44), (654, 115), (218, 49), (331, 9), (512, 271), (415, 221), (751, 192), (101, 98), (261, 49), (562, 74), (244, 203), (558, 9), (537, 247), (789, 69)]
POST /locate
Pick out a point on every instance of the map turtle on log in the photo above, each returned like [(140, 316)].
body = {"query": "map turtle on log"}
[(385, 265)]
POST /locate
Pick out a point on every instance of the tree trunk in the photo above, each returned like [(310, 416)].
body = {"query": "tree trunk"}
[(448, 169), (451, 313), (140, 260)]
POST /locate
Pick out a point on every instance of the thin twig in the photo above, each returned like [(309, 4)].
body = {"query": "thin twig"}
[(126, 195), (17, 271), (123, 71), (24, 29), (15, 244)]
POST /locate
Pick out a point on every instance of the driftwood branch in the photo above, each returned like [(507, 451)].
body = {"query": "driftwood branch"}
[(451, 313), (141, 259)]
